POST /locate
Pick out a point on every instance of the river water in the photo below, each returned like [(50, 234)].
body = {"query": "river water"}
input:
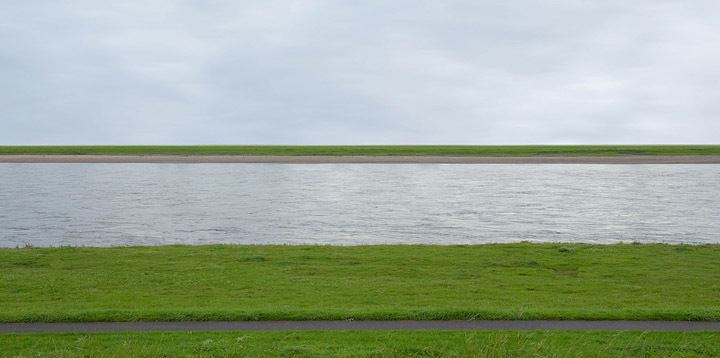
[(355, 204)]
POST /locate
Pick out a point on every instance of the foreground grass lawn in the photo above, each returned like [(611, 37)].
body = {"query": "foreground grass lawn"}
[(400, 344), (228, 282), (377, 150)]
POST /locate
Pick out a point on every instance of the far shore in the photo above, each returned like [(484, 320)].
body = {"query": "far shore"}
[(322, 159)]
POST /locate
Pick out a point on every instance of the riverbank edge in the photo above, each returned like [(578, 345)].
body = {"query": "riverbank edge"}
[(353, 325), (93, 316), (380, 159)]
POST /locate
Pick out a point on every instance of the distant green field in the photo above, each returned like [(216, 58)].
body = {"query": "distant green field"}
[(229, 282), (364, 344), (379, 150)]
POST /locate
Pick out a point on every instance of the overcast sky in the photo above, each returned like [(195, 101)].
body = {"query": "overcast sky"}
[(359, 72)]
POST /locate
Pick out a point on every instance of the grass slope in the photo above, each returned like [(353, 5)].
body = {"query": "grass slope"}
[(226, 282), (364, 344), (379, 150)]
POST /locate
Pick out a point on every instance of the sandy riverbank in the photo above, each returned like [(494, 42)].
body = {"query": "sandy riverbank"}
[(356, 159)]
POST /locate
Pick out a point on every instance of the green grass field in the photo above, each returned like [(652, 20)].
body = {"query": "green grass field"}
[(227, 282), (365, 344), (378, 150)]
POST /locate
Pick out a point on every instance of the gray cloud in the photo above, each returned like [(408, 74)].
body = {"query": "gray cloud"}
[(373, 72)]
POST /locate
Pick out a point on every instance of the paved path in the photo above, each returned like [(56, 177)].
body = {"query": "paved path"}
[(358, 325), (707, 159)]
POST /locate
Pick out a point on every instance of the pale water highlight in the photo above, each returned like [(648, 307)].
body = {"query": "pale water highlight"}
[(356, 204)]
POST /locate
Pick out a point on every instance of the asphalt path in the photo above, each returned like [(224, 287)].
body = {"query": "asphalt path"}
[(676, 326)]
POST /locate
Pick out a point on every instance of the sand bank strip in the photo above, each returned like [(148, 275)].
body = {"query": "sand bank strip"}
[(356, 159)]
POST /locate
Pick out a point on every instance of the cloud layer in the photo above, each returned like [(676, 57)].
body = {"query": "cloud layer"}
[(370, 72)]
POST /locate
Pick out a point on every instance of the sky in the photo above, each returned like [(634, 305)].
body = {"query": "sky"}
[(359, 72)]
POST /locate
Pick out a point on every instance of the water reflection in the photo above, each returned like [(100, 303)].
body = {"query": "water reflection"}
[(350, 204)]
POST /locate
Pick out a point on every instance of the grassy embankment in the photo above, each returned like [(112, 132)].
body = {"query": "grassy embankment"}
[(376, 344), (378, 150), (509, 281)]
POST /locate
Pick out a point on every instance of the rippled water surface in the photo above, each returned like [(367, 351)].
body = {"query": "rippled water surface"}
[(348, 204)]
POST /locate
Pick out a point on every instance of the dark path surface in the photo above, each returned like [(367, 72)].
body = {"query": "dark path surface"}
[(358, 325)]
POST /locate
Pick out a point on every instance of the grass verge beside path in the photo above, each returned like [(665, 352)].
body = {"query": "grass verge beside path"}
[(376, 150), (377, 344), (228, 282)]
